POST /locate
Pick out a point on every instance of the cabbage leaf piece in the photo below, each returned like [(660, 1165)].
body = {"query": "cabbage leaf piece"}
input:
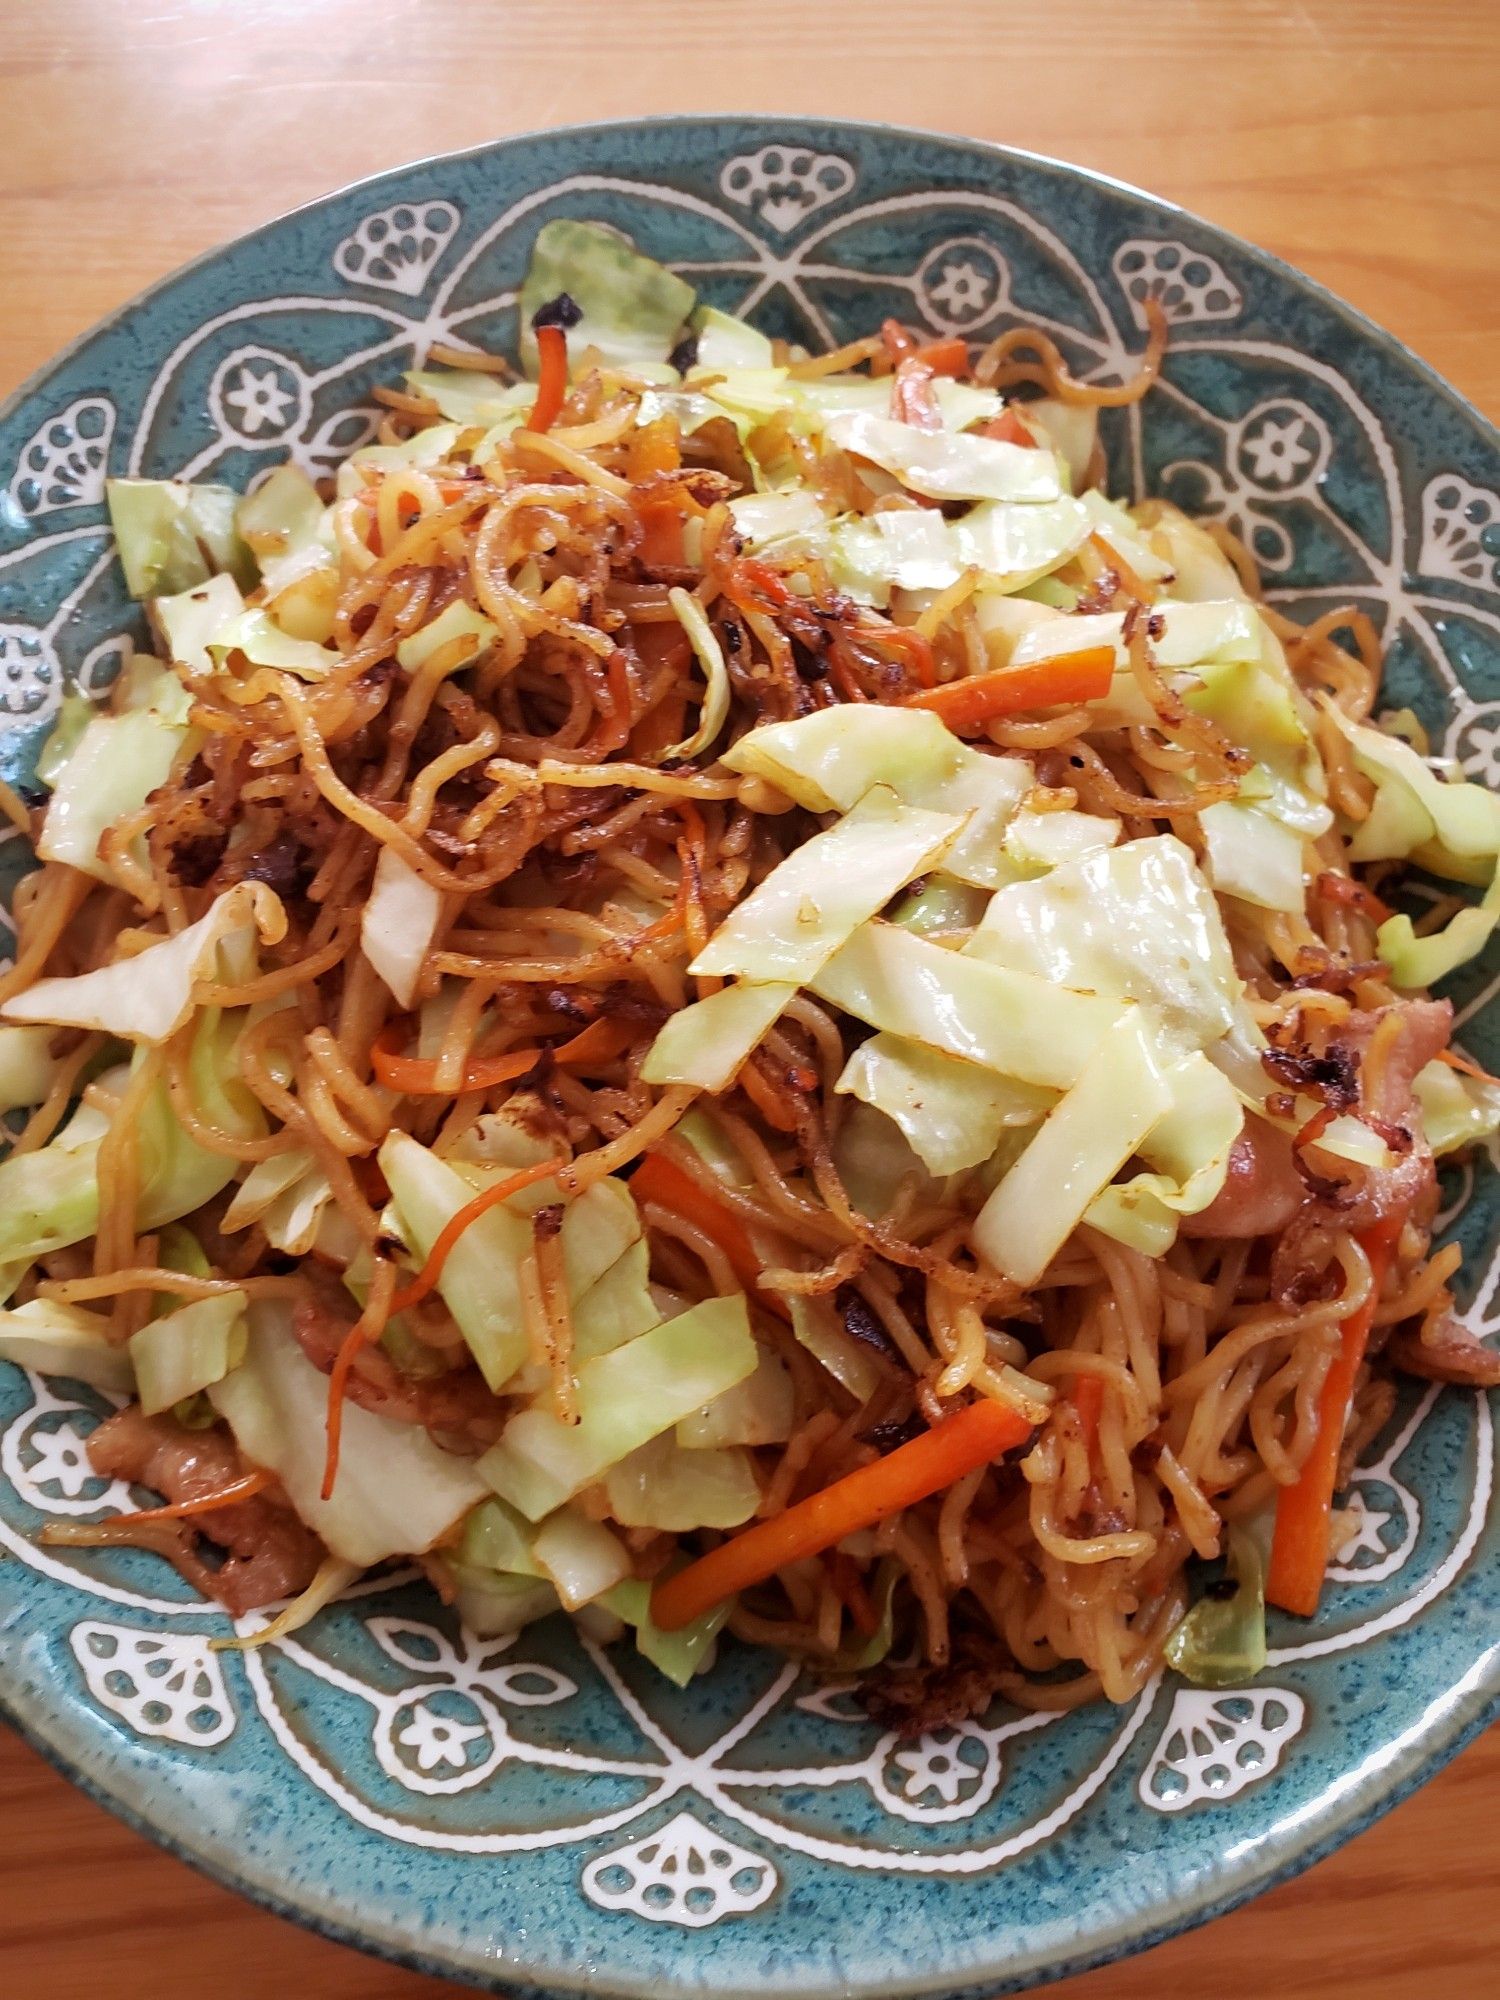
[(1254, 856), (1188, 1151), (397, 1492), (1118, 1098), (951, 1112), (664, 1485), (170, 535), (625, 1399), (795, 920), (947, 465), (706, 1044), (1457, 1109), (632, 307), (1137, 922), (397, 924), (147, 998), (1221, 1642), (117, 762), (181, 1352), (27, 1066), (830, 760), (51, 1338), (1018, 1023)]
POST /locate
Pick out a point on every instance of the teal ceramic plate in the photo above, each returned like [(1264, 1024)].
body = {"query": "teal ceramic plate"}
[(538, 1814)]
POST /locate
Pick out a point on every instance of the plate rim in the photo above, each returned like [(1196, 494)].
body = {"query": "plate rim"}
[(1464, 1715)]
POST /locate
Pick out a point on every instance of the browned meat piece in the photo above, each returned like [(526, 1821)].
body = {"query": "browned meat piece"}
[(270, 1554), (914, 1700), (1262, 1190), (457, 1405), (1446, 1351)]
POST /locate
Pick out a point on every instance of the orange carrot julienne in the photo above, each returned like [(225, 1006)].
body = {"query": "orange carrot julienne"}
[(237, 1489), (929, 1464), (1088, 1401), (661, 1180), (1456, 1060), (945, 357), (414, 1076), (1008, 428), (1300, 1546), (551, 377), (980, 698), (488, 1198)]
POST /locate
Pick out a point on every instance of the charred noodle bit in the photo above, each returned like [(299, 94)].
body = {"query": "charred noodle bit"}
[(432, 1008)]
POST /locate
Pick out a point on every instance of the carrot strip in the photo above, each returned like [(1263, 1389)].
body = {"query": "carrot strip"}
[(426, 1279), (661, 1180), (979, 698), (414, 1076), (1299, 1549), (945, 357), (1008, 428), (551, 379), (1088, 1401), (1455, 1060), (1336, 888), (928, 1464), (768, 1101), (849, 1588), (180, 1510)]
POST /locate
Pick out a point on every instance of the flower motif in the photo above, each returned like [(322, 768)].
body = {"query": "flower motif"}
[(1363, 1524), (1277, 452), (435, 1739), (962, 283), (1476, 745), (260, 399), (946, 1774), (933, 1767), (62, 1461)]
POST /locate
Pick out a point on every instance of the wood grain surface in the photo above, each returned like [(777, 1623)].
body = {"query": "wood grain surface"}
[(1360, 139)]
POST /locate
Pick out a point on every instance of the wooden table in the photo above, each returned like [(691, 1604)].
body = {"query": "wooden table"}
[(1359, 140)]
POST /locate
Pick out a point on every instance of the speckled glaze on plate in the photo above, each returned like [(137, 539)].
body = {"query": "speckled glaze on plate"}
[(538, 1814)]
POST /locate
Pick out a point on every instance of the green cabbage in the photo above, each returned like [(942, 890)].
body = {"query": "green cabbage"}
[(946, 465), (1188, 1149), (472, 399), (617, 1306), (819, 1329), (191, 619), (459, 620), (54, 1339), (666, 1486), (264, 644), (796, 919), (1221, 1643), (170, 536), (1457, 1110), (1119, 1096), (706, 1044), (829, 761), (633, 308), (181, 1352), (398, 923), (115, 765), (679, 1654), (940, 907), (1019, 1024), (725, 342), (1009, 543), (951, 1112), (397, 1492), (27, 1066), (1136, 922), (282, 515), (580, 1558), (1253, 856), (625, 1399), (149, 997), (759, 1410)]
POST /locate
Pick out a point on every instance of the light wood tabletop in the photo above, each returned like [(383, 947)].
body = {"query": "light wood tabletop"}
[(1360, 139)]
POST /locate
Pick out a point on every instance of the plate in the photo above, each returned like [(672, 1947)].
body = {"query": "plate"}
[(541, 1814)]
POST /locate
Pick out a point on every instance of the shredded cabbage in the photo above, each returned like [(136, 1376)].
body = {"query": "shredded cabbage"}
[(1024, 1026), (55, 1339), (1188, 1149), (665, 1486), (795, 919), (951, 1112), (632, 307), (397, 924), (625, 1399), (193, 618), (1137, 922), (819, 1329), (580, 1558), (679, 1654), (828, 761), (726, 343), (283, 514), (458, 621), (264, 644), (758, 1410), (117, 762), (170, 535), (1119, 1096), (1457, 1109), (947, 465), (1253, 856), (706, 1044), (181, 1352), (397, 1492), (148, 997), (27, 1066), (1221, 1643)]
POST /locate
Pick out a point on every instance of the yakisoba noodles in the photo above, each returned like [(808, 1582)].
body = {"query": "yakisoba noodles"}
[(704, 988)]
